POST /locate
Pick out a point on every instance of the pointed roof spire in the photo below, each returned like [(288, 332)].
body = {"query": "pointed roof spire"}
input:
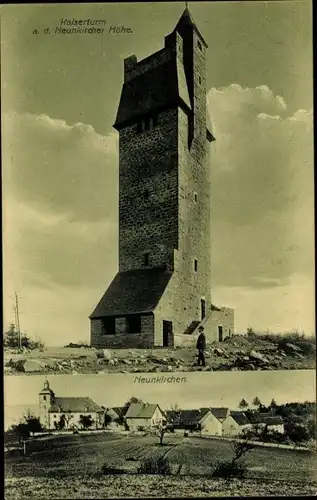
[(186, 21)]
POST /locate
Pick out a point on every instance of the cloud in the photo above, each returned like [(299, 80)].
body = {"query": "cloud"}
[(61, 168), (262, 188)]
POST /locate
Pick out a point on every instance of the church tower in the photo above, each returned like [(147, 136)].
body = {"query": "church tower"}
[(46, 399), (162, 289)]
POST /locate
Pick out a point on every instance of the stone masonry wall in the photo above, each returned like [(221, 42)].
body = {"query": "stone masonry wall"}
[(181, 302), (224, 318), (148, 190), (143, 339)]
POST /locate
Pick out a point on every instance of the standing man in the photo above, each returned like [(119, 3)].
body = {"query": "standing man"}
[(201, 346)]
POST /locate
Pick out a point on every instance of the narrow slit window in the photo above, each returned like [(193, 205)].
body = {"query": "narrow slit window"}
[(195, 197), (146, 194), (195, 265), (199, 45), (146, 259)]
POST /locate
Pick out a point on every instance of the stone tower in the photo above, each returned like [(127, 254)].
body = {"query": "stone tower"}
[(46, 399), (162, 289)]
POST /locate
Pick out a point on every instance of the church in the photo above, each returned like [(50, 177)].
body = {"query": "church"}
[(161, 293), (68, 412)]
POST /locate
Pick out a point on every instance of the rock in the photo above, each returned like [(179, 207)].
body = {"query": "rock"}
[(9, 363), (76, 373), (292, 348), (299, 355), (223, 368), (257, 356), (207, 354), (29, 365), (107, 354), (218, 351), (246, 358), (127, 361), (282, 353), (111, 362), (64, 363), (169, 368), (234, 369), (249, 366), (8, 369)]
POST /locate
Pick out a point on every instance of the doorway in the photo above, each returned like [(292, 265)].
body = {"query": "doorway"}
[(202, 308), (167, 333), (220, 333)]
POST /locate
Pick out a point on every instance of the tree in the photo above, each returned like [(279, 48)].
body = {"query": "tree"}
[(11, 339), (21, 431), (129, 402), (33, 423), (161, 433), (250, 332), (107, 419), (86, 421), (243, 404), (256, 402)]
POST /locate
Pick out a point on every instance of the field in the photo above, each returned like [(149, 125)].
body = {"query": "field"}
[(70, 467)]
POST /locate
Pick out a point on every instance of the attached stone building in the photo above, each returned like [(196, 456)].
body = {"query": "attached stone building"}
[(162, 290)]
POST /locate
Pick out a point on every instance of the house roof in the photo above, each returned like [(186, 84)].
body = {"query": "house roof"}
[(84, 405), (187, 417), (265, 418), (141, 410), (239, 417), (136, 291), (220, 413)]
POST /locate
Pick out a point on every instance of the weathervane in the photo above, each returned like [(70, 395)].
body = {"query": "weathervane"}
[(186, 4)]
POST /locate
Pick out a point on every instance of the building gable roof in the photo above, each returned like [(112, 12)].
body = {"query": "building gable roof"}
[(220, 413), (133, 292), (141, 410), (83, 405), (239, 417)]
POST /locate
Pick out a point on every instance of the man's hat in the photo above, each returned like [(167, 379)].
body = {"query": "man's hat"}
[(201, 328)]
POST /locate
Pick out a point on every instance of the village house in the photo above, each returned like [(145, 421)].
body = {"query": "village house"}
[(68, 412), (267, 420), (142, 416), (117, 415), (235, 423), (200, 420)]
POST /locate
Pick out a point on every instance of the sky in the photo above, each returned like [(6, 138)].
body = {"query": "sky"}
[(60, 159), (200, 389)]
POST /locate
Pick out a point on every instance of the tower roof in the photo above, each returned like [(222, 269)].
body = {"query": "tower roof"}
[(186, 21), (47, 389)]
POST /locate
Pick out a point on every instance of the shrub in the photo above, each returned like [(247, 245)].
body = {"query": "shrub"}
[(230, 469), (153, 465), (108, 470)]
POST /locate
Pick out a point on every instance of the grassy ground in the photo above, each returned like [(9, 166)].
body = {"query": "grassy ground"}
[(70, 467)]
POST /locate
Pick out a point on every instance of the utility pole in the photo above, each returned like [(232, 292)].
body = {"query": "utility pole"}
[(17, 318)]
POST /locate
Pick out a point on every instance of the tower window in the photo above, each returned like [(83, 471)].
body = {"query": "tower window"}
[(146, 259), (44, 398), (199, 45), (195, 197), (147, 123), (199, 79), (195, 265), (146, 193)]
